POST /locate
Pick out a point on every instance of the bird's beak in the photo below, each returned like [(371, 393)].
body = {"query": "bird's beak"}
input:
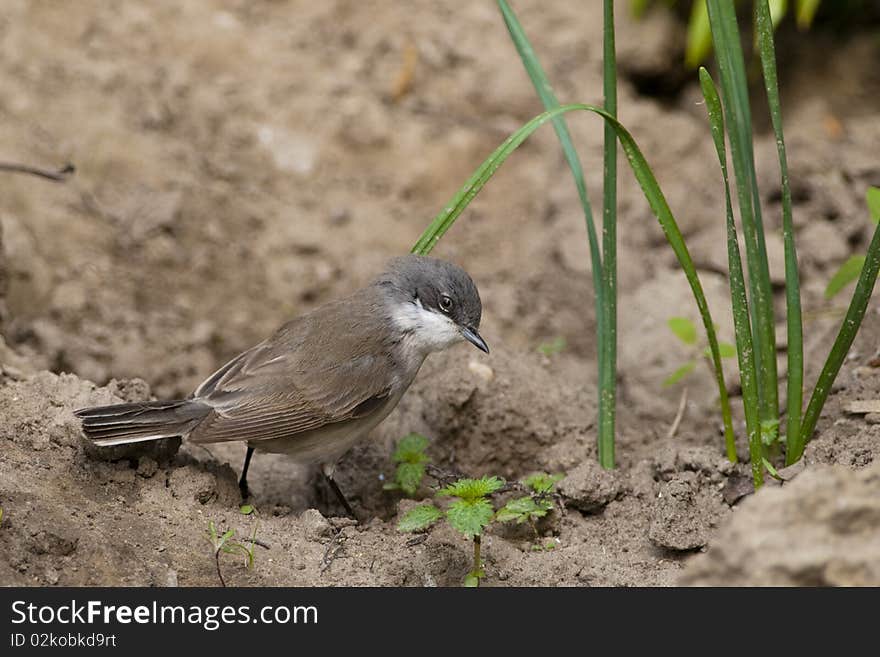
[(474, 338)]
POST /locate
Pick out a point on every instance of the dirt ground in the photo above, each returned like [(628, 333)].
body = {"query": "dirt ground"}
[(239, 163)]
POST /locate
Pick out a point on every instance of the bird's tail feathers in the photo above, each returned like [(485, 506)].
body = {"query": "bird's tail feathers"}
[(136, 422)]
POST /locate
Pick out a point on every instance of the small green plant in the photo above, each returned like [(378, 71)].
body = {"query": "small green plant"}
[(471, 511), (685, 330), (534, 506), (411, 459), (224, 543), (552, 347), (849, 271)]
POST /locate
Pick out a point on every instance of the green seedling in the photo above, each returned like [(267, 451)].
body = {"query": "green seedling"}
[(411, 459), (470, 513), (849, 271), (685, 330), (555, 346), (534, 506), (224, 543)]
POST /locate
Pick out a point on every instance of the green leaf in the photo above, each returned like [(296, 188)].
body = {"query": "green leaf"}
[(420, 517), (472, 489), (872, 198), (769, 431), (778, 9), (409, 476), (411, 449), (523, 508), (680, 373), (726, 350), (847, 273), (699, 36), (541, 482), (684, 329), (470, 516), (806, 10), (739, 302), (553, 347), (771, 469), (246, 509)]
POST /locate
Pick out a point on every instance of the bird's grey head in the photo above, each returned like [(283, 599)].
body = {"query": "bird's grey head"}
[(434, 302)]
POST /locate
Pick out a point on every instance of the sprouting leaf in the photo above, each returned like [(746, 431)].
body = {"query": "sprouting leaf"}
[(522, 509), (769, 431), (726, 350), (772, 470), (470, 516), (409, 477), (420, 517), (552, 347), (684, 329), (541, 482), (846, 274), (680, 373), (246, 509), (872, 197), (472, 489), (411, 449)]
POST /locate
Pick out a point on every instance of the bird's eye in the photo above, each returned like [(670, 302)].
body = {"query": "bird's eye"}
[(445, 303)]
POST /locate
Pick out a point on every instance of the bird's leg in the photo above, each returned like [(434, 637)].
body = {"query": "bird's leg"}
[(242, 482), (328, 469)]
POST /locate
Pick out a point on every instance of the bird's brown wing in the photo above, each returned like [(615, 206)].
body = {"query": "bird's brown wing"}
[(325, 367)]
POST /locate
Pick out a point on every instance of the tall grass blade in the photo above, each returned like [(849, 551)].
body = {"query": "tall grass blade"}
[(793, 317), (735, 101), (608, 361), (739, 301), (545, 92), (548, 98), (854, 315), (651, 188)]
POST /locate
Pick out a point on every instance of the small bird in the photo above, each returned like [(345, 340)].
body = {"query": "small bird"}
[(323, 380)]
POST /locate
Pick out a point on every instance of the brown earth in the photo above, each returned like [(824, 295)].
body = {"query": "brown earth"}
[(239, 163)]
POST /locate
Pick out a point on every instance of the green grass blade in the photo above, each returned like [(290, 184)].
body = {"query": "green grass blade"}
[(739, 301), (608, 361), (545, 92), (793, 317), (548, 98), (854, 315), (444, 220), (872, 198), (734, 83), (650, 187)]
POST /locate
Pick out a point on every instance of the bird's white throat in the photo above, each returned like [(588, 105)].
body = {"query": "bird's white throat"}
[(425, 330)]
